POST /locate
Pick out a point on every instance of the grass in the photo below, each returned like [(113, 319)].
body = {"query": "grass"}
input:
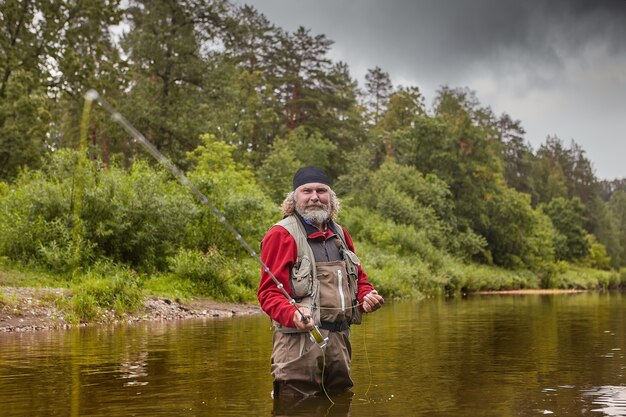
[(106, 290), (406, 276), (16, 275), (103, 288), (587, 278), (4, 300)]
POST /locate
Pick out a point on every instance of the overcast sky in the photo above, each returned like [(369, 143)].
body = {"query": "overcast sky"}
[(559, 66)]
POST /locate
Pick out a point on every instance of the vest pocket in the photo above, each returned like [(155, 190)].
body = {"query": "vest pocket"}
[(335, 297), (301, 278), (352, 268)]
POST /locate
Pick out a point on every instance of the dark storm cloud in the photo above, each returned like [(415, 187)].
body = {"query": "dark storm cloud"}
[(480, 24), (448, 36)]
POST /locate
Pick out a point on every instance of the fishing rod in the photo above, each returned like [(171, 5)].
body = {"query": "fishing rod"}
[(93, 95)]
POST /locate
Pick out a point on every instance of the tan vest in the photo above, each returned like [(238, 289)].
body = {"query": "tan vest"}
[(334, 283)]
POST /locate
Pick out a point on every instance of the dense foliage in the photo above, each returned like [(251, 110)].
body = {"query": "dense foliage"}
[(447, 197)]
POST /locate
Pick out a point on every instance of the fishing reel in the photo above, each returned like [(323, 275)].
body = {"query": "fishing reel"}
[(315, 334), (317, 337)]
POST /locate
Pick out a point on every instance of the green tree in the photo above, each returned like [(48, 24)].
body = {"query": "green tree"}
[(232, 188), (25, 115), (549, 180), (607, 188), (340, 119), (617, 209), (597, 257), (247, 113), (52, 51), (403, 106), (276, 171), (407, 197), (563, 172), (518, 236), (517, 155), (24, 105), (302, 66), (169, 70), (428, 145), (605, 229), (356, 180), (472, 163), (87, 58), (250, 39), (568, 218), (378, 88)]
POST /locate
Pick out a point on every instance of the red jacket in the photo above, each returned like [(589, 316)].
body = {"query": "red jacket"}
[(279, 252)]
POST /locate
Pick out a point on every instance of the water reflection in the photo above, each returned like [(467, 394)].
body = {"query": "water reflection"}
[(488, 356), (611, 399), (134, 367), (341, 406)]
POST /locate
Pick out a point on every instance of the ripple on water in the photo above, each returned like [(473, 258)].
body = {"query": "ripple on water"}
[(611, 399)]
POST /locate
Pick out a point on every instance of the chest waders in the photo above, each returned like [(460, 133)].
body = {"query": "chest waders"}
[(323, 279)]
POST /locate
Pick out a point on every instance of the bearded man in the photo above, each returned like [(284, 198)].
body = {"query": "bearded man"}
[(313, 258)]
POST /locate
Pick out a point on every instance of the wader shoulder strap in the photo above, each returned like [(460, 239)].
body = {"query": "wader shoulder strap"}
[(339, 230), (296, 230)]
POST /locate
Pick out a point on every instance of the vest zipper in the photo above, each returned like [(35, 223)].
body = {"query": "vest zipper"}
[(340, 279)]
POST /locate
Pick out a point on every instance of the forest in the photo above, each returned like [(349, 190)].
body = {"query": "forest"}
[(441, 195)]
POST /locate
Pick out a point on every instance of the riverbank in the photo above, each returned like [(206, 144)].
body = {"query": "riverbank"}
[(532, 291), (33, 309)]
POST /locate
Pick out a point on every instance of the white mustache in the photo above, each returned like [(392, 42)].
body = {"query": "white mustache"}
[(316, 205)]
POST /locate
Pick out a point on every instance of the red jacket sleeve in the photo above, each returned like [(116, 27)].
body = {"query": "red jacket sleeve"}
[(363, 284), (278, 252)]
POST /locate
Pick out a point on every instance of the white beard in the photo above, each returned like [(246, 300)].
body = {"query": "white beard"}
[(315, 215)]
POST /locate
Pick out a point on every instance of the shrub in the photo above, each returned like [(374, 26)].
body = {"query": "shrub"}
[(105, 286), (137, 217), (207, 269), (232, 189)]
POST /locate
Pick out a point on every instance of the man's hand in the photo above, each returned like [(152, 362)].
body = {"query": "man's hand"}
[(299, 323), (372, 301)]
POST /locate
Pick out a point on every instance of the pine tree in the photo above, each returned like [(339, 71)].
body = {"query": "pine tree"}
[(168, 99), (378, 88)]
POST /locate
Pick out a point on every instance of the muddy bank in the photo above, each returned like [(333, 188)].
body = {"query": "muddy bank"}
[(31, 309)]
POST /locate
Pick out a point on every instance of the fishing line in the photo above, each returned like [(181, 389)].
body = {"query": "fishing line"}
[(367, 357), (315, 334), (93, 95), (324, 369)]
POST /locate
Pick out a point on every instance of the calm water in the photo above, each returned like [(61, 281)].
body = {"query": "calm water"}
[(532, 355)]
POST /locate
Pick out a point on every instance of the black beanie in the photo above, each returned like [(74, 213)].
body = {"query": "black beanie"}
[(309, 174)]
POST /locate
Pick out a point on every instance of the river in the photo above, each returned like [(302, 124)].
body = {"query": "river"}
[(490, 355)]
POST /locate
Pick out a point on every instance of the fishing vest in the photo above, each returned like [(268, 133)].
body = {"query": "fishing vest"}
[(327, 288)]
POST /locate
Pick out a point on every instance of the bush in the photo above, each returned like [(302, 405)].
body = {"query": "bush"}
[(138, 217), (105, 287), (207, 269), (232, 189), (51, 219)]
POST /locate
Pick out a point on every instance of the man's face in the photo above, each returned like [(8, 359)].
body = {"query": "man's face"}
[(313, 202)]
